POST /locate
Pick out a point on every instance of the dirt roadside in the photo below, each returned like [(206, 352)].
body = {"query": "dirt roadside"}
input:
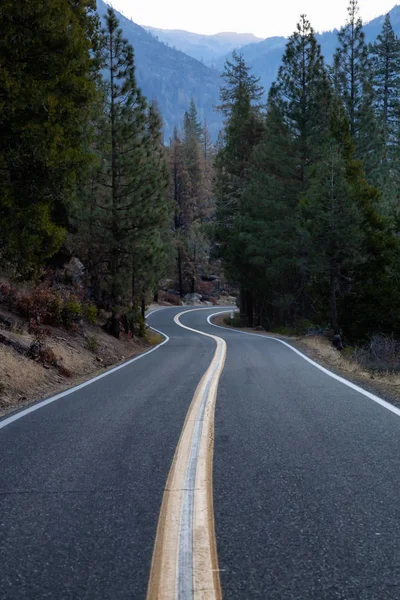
[(75, 358)]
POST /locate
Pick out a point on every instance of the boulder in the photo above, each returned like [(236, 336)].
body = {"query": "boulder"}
[(75, 269)]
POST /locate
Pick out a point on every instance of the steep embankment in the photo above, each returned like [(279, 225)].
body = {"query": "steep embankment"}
[(33, 366)]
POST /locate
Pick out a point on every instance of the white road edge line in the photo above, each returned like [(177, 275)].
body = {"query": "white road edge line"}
[(376, 399), (38, 405)]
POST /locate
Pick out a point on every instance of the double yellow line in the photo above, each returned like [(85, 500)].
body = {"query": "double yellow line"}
[(185, 562)]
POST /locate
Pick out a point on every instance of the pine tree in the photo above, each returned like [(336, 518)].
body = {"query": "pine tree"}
[(183, 209), (120, 177), (149, 238), (332, 218), (191, 123), (297, 125), (46, 92), (240, 105), (386, 79), (192, 140), (267, 228), (353, 80), (302, 91)]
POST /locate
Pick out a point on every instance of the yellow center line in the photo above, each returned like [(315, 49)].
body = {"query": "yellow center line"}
[(185, 562)]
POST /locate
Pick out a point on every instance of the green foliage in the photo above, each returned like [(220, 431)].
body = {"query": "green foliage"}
[(90, 313), (71, 313), (92, 344), (352, 73), (42, 305), (191, 195), (46, 87), (240, 104), (299, 226), (123, 214), (385, 54)]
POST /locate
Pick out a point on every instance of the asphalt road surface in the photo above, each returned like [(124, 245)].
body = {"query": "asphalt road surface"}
[(305, 477)]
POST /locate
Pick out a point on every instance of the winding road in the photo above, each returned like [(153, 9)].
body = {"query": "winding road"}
[(220, 464)]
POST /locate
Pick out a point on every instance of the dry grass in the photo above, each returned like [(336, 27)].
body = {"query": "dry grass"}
[(23, 380), (154, 338)]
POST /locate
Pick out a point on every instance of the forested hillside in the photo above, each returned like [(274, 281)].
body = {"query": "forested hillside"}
[(171, 77), (298, 200), (206, 48), (308, 186), (265, 57), (94, 209), (84, 167)]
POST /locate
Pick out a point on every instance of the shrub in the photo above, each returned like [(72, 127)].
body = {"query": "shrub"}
[(171, 298), (92, 343), (42, 305), (47, 356), (236, 322), (72, 312), (90, 313), (39, 333), (380, 355)]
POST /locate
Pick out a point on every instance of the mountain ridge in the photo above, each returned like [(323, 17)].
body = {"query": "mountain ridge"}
[(265, 57), (171, 77), (203, 47)]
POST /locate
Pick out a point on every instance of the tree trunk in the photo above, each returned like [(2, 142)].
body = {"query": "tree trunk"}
[(243, 307), (114, 327), (180, 279), (133, 289), (337, 339), (249, 306), (143, 307)]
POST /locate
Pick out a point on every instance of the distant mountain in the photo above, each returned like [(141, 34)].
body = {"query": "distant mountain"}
[(265, 57), (206, 48), (171, 77)]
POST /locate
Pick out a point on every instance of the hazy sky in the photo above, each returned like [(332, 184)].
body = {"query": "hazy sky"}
[(264, 18)]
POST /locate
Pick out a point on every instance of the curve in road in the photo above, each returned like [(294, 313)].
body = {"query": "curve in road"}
[(305, 477)]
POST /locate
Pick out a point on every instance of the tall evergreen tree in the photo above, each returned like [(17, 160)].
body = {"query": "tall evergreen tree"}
[(119, 181), (240, 105), (46, 91), (150, 223), (183, 213), (386, 79), (191, 123), (332, 218), (298, 124), (353, 81), (302, 92), (267, 228)]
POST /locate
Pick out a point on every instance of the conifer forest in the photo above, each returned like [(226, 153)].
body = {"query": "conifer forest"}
[(296, 203)]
